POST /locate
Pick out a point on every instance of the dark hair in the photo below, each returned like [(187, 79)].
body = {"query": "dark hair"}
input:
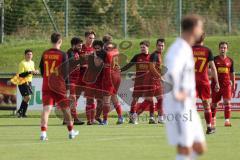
[(107, 38), (145, 42), (160, 40), (75, 41), (55, 37), (87, 33), (222, 42), (108, 43), (97, 43), (27, 50), (189, 22)]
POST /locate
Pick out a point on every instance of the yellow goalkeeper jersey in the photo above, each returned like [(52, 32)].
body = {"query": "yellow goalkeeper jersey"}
[(25, 66)]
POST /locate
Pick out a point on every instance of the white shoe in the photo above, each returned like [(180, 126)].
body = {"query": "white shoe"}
[(161, 120), (43, 136), (73, 134)]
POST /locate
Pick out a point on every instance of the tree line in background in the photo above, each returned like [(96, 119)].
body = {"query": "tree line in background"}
[(144, 17)]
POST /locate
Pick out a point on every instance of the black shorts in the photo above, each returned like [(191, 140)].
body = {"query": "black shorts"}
[(25, 89)]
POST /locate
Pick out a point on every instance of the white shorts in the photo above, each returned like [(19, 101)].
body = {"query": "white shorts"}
[(184, 127)]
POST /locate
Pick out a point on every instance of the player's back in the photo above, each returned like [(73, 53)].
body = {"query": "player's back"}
[(52, 62), (202, 55)]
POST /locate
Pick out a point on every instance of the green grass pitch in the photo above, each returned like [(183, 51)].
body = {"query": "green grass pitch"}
[(20, 140)]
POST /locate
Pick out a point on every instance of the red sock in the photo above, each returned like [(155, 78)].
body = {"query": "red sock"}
[(70, 127), (227, 111), (133, 107), (159, 107), (151, 108), (208, 115), (214, 112), (93, 112), (74, 111), (118, 109), (88, 112), (142, 107), (98, 111), (43, 129), (106, 109)]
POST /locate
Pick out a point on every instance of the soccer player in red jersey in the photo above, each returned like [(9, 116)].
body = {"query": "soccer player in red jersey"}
[(111, 82), (226, 77), (54, 69), (203, 60), (73, 57), (87, 49), (155, 68), (141, 86)]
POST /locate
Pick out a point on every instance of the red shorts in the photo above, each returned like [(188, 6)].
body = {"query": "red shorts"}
[(203, 91), (54, 92), (225, 92), (144, 91), (111, 81)]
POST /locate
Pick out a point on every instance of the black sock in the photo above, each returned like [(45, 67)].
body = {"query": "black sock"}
[(25, 106), (20, 110)]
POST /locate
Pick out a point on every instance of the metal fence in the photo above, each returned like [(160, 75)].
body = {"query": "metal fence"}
[(121, 18)]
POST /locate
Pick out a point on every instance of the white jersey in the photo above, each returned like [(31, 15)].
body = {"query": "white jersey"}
[(180, 74), (182, 119)]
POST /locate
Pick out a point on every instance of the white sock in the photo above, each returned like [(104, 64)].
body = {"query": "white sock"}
[(43, 133), (160, 118), (182, 157), (226, 120), (194, 155)]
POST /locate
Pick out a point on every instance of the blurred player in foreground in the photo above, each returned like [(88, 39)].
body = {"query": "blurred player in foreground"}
[(183, 124), (203, 58), (25, 71), (54, 70), (226, 76)]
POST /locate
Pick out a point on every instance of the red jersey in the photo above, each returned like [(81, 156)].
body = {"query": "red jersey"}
[(202, 55), (141, 61), (111, 73), (53, 62), (86, 50), (224, 68), (74, 68)]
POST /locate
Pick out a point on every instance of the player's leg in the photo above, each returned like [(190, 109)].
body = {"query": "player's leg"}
[(118, 108), (227, 112), (216, 97), (197, 150), (227, 95), (90, 111), (106, 108), (64, 105), (183, 153), (99, 111), (25, 90), (160, 110), (44, 121), (133, 111), (208, 116)]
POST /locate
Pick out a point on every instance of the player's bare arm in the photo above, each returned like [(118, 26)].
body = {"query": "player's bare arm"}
[(214, 74)]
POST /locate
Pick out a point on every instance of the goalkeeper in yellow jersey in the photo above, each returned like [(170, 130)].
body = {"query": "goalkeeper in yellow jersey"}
[(23, 79)]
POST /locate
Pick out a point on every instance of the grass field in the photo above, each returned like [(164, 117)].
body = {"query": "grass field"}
[(11, 52), (20, 140)]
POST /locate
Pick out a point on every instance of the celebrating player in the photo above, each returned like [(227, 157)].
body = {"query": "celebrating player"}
[(87, 49), (203, 58), (226, 76), (183, 124), (141, 86), (54, 69), (74, 77), (155, 67)]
